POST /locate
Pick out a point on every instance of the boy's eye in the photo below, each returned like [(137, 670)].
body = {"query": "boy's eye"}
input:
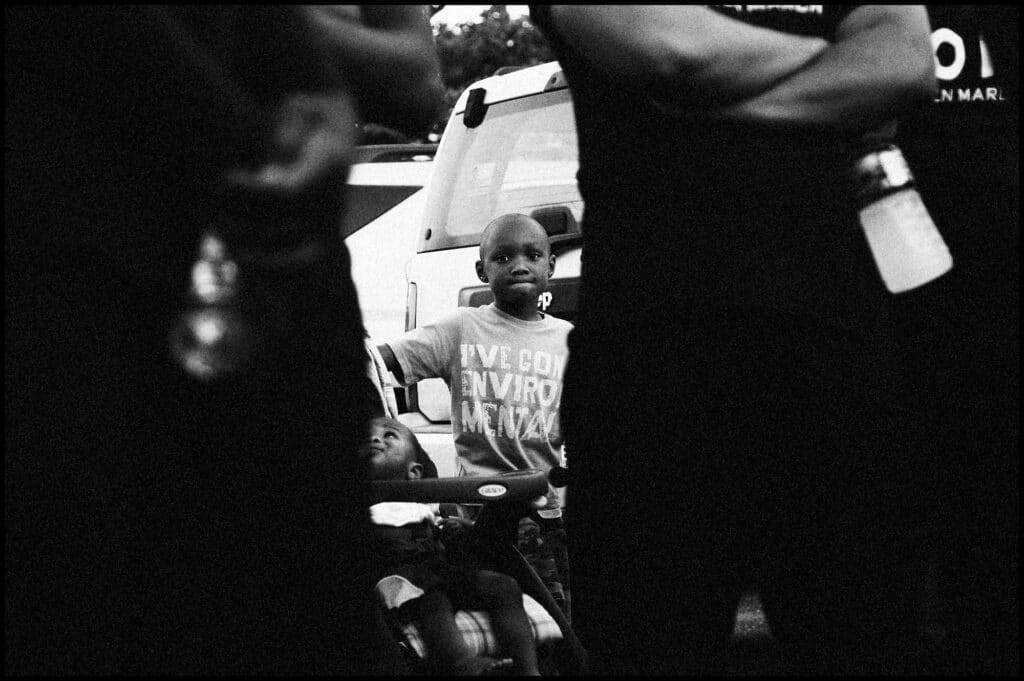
[(390, 433), (501, 258)]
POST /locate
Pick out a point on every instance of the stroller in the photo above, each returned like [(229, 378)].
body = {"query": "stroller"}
[(504, 500)]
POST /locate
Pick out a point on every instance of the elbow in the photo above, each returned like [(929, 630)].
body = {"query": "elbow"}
[(422, 109), (419, 95), (673, 77), (918, 80), (429, 100), (920, 84)]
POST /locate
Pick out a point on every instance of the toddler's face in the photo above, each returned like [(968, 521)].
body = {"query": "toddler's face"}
[(387, 451)]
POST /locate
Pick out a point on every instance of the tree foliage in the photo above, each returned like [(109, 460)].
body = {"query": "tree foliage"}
[(471, 51)]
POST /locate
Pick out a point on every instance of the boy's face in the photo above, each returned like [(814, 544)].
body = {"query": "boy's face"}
[(388, 452), (516, 262)]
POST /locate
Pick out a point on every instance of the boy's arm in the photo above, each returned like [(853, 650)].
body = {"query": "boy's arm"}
[(423, 352), (390, 361)]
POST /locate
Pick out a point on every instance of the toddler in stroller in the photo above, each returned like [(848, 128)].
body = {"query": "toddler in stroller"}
[(417, 578)]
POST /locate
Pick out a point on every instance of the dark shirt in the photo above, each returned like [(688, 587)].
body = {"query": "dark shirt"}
[(712, 215), (155, 524), (964, 147)]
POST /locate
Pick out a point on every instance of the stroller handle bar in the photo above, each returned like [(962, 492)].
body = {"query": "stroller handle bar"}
[(517, 485)]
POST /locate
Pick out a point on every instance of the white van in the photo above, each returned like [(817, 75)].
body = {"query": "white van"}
[(384, 201), (509, 147)]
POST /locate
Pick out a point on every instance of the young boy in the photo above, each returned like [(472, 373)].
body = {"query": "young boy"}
[(503, 364), (416, 577)]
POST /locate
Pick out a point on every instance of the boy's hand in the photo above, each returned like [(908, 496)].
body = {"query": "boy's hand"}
[(539, 503)]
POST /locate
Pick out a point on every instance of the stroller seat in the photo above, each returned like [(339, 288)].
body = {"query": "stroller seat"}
[(503, 497), (476, 630)]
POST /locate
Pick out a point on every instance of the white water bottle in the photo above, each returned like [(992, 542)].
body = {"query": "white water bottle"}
[(906, 244)]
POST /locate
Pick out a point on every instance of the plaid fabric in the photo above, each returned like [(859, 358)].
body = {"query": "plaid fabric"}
[(475, 626)]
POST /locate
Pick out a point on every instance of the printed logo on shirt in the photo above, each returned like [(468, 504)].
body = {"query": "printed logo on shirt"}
[(957, 82), (509, 393)]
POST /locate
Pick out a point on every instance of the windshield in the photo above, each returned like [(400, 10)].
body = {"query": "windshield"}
[(522, 158)]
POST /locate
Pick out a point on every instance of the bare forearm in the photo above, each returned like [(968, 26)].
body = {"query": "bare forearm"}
[(387, 53), (880, 66), (685, 55)]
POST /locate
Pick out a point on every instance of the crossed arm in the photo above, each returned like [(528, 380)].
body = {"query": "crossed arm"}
[(693, 57)]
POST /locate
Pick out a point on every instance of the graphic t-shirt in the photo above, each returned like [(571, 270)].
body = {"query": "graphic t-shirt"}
[(505, 378)]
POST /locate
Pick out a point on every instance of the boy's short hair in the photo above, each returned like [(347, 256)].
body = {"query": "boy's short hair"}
[(507, 220)]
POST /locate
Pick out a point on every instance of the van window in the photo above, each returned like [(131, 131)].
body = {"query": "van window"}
[(522, 158)]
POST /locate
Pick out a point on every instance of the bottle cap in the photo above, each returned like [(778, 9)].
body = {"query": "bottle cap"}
[(881, 172)]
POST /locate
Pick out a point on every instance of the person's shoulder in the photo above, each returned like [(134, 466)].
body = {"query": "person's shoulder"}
[(477, 311), (450, 319), (558, 323)]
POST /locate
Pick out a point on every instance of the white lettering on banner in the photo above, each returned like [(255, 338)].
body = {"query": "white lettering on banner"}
[(952, 71), (944, 36), (989, 94), (986, 59)]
